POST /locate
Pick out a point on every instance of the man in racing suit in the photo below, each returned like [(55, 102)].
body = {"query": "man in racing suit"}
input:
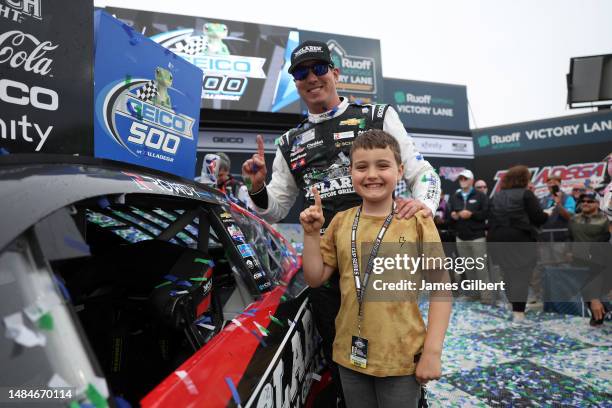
[(316, 152)]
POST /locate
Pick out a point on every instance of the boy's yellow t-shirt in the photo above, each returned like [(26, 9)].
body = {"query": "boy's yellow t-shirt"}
[(394, 329)]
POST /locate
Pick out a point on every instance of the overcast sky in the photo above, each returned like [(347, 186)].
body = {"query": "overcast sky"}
[(511, 55)]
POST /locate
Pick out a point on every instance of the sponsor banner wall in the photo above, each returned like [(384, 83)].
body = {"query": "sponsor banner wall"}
[(429, 105), (244, 65), (553, 133), (241, 142), (359, 61), (146, 101), (46, 76), (460, 147)]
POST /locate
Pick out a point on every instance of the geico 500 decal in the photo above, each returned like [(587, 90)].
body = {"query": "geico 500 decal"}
[(225, 75), (139, 115)]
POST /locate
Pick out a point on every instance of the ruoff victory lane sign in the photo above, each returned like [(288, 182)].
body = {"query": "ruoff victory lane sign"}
[(46, 76)]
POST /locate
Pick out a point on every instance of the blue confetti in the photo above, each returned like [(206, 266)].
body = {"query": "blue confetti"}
[(204, 319), (121, 403), (76, 244), (103, 202), (62, 287), (260, 338), (234, 391)]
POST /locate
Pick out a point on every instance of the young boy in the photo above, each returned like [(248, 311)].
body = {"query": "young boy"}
[(377, 344)]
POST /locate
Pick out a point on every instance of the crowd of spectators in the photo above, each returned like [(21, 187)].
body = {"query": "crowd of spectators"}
[(546, 233)]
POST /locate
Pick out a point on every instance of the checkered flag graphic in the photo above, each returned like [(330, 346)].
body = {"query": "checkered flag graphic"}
[(147, 92), (193, 45), (401, 189)]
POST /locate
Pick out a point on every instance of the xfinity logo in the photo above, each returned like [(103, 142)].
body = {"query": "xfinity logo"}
[(17, 10), (309, 48)]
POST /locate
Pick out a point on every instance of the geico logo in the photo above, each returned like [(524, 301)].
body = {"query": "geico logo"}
[(220, 64), (223, 139), (20, 94), (159, 116), (154, 138)]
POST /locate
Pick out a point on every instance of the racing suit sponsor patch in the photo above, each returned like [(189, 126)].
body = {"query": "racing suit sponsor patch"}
[(344, 135)]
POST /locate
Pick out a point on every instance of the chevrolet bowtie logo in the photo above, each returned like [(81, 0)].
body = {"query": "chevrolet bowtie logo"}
[(350, 122)]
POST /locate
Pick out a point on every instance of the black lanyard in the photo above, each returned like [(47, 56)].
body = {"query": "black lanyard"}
[(360, 287)]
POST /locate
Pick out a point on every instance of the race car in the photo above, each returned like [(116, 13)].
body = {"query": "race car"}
[(124, 286)]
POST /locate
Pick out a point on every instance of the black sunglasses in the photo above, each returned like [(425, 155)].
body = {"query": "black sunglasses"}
[(588, 201), (301, 73)]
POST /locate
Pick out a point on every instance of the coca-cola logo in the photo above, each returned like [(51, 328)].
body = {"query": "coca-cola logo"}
[(18, 49)]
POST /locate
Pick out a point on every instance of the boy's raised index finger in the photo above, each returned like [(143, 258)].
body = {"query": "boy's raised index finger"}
[(317, 196), (260, 146)]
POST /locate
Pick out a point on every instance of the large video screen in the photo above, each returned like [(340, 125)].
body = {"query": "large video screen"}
[(244, 65)]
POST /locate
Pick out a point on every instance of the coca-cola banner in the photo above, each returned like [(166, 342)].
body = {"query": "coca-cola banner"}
[(46, 86)]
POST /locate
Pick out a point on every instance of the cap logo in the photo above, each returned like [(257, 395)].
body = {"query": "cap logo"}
[(308, 48)]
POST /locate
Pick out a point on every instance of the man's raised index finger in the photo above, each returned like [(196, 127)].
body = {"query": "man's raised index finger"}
[(260, 146)]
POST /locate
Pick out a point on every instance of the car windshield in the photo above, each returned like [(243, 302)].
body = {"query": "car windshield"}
[(268, 248), (135, 224)]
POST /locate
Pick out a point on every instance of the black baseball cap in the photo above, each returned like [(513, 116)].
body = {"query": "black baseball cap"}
[(589, 195), (310, 50)]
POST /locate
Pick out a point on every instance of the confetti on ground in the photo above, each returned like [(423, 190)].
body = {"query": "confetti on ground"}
[(590, 365), (550, 360)]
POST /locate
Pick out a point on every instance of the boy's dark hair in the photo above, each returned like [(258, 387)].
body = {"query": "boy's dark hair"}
[(377, 139)]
